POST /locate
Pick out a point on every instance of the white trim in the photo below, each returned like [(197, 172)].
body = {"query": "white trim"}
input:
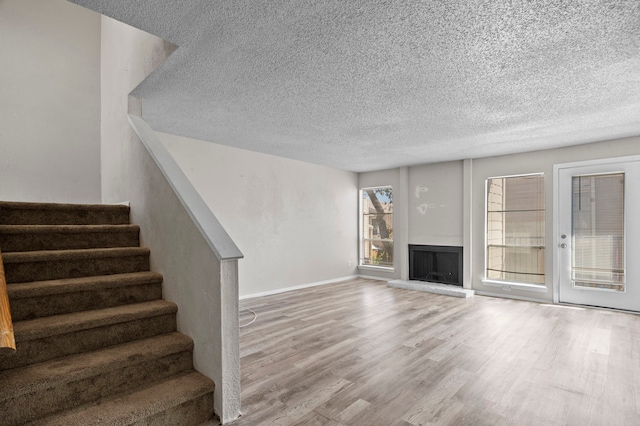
[(376, 187), (556, 230), (360, 230), (514, 176), (510, 296), (401, 224), (377, 268), (370, 277), (597, 162), (509, 285), (297, 287)]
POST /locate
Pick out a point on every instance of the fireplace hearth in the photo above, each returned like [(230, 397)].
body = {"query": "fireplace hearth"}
[(436, 264)]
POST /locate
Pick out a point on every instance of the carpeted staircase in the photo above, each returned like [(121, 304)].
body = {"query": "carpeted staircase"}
[(96, 344)]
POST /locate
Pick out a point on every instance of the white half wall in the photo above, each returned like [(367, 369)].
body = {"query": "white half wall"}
[(295, 222), (192, 272), (192, 278), (49, 102)]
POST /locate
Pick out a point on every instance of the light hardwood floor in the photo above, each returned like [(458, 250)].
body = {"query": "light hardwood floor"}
[(360, 353)]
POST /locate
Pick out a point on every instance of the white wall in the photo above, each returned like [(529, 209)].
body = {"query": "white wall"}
[(294, 222), (436, 204), (49, 102), (129, 55)]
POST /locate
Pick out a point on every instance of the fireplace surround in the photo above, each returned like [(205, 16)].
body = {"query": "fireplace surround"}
[(436, 264)]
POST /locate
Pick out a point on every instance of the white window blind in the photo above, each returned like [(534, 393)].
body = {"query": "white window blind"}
[(516, 229), (598, 258)]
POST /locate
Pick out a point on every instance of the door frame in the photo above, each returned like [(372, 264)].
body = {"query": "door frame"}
[(556, 207)]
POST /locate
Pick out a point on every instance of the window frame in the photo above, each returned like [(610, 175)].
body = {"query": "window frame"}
[(361, 237), (508, 285)]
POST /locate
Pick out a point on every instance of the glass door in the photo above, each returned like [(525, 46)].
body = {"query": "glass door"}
[(599, 235)]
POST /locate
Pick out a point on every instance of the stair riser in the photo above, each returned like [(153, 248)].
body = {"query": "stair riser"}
[(38, 350), (39, 404), (21, 216), (67, 241), (72, 268), (56, 304)]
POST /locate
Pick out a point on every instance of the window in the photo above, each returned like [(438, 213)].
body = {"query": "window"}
[(376, 227), (515, 229), (597, 222)]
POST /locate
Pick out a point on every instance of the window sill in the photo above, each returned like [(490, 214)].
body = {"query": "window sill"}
[(508, 286), (377, 268)]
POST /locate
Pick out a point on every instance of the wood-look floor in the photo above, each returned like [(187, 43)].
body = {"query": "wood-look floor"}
[(360, 353)]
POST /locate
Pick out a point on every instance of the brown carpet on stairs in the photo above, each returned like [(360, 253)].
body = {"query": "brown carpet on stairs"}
[(17, 238), (96, 344)]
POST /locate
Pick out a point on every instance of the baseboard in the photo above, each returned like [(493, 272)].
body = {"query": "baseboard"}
[(510, 296), (298, 287), (370, 277)]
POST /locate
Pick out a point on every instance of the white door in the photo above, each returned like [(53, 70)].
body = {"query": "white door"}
[(599, 233)]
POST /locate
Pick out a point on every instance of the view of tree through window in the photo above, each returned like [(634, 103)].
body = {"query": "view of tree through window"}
[(376, 246), (515, 229)]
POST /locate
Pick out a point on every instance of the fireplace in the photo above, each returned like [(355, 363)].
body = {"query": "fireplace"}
[(436, 264)]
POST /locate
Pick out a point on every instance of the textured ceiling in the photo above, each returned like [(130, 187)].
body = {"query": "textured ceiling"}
[(367, 85)]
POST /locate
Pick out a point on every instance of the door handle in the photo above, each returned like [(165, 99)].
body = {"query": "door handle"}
[(563, 245)]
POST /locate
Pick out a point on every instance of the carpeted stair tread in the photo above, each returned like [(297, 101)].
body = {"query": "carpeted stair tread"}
[(50, 287), (145, 406), (54, 297), (78, 254), (68, 323), (22, 238), (59, 264), (67, 229), (44, 375), (21, 213), (46, 338)]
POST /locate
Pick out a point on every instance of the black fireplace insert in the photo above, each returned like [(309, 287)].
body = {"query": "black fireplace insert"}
[(436, 264)]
